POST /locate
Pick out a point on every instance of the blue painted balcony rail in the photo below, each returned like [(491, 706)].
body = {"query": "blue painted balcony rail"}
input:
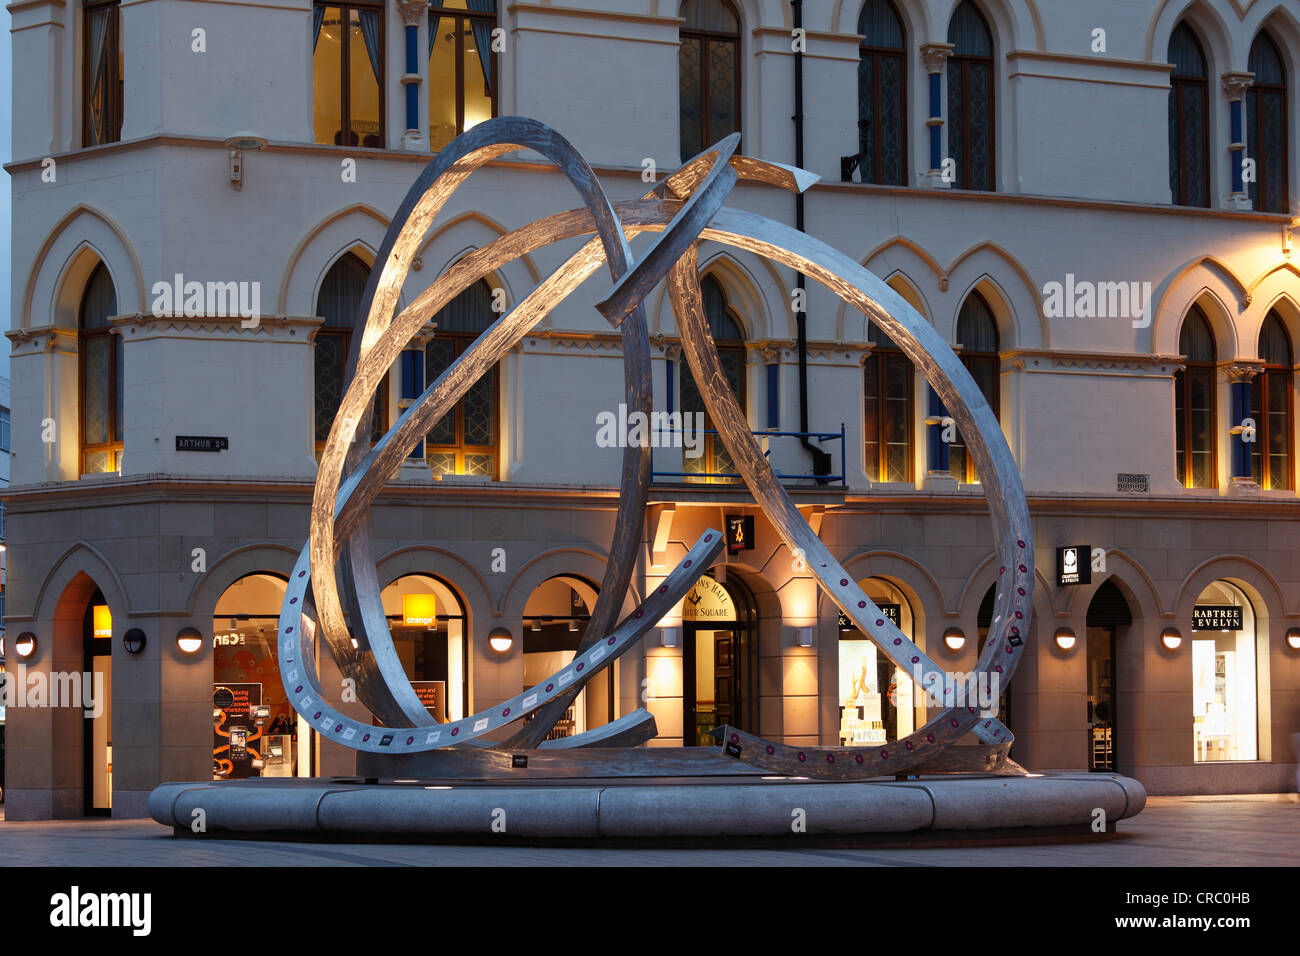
[(671, 439)]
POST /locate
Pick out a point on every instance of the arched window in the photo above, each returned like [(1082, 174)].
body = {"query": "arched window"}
[(1194, 404), (1266, 127), (337, 303), (462, 68), (464, 441), (101, 91), (970, 98), (1270, 406), (1189, 139), (348, 73), (977, 336), (101, 376), (882, 95), (728, 336), (887, 423), (709, 64)]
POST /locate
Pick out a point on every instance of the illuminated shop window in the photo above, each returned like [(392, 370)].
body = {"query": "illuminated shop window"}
[(348, 74), (555, 620), (882, 95), (709, 73), (427, 622), (878, 702), (462, 68), (1225, 681), (971, 98)]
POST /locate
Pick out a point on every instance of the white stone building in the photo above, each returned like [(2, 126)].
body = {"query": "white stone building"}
[(1093, 203)]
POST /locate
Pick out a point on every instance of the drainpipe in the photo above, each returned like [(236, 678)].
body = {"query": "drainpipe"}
[(821, 459)]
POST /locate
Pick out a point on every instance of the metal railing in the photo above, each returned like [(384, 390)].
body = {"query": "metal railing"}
[(838, 479)]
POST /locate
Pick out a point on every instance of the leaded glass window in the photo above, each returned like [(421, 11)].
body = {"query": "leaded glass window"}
[(970, 98), (709, 71), (1194, 403), (1266, 127), (338, 303), (1189, 144), (465, 440), (1270, 406), (725, 327), (882, 95), (887, 418), (977, 336), (102, 367)]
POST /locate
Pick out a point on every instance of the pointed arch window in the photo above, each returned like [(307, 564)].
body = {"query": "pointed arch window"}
[(1266, 127), (102, 366), (465, 440), (729, 337), (1189, 140), (462, 68), (1194, 403), (882, 95), (970, 98), (709, 74), (102, 86), (887, 420), (977, 336), (1271, 407), (337, 303)]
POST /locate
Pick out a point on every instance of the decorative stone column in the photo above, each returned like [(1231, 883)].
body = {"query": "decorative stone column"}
[(413, 12), (1243, 429), (1235, 86), (935, 57), (772, 365)]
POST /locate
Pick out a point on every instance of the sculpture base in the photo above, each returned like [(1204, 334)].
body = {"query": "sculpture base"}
[(689, 811)]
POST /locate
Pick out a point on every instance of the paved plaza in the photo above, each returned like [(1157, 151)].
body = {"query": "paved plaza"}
[(1200, 831)]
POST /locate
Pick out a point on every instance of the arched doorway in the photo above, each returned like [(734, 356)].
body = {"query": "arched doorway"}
[(97, 730), (1226, 664), (719, 659), (879, 702), (1108, 613), (555, 619), (427, 622), (256, 732)]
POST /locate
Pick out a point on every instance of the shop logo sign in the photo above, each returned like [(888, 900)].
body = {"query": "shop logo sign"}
[(740, 533), (1216, 617), (893, 613), (1072, 565)]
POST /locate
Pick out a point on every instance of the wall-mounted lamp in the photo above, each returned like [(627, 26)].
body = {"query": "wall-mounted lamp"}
[(1286, 239), (1065, 638), (668, 636), (237, 144), (954, 639), (25, 646), (537, 624), (1293, 638), (133, 640), (189, 640), (500, 640), (804, 636), (1171, 638)]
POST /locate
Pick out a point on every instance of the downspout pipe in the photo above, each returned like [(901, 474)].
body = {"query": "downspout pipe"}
[(821, 459)]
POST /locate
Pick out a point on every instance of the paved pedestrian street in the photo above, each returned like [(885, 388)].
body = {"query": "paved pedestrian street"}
[(1199, 831)]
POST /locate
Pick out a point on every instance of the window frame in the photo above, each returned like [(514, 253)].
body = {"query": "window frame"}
[(973, 359), (1178, 83), (437, 12), (965, 61), (460, 342), (1183, 394), (707, 138), (1254, 139), (113, 446), (113, 105), (379, 423), (1260, 389), (876, 361), (877, 145), (345, 70)]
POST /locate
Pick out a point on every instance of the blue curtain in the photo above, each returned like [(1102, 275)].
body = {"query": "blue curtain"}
[(483, 38), (433, 33), (317, 18), (370, 32)]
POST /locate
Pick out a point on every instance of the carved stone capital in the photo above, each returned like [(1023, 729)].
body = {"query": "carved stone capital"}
[(770, 354), (935, 55), (412, 11), (1236, 84), (1241, 371)]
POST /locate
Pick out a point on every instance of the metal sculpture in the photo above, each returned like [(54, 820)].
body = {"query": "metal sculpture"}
[(335, 573)]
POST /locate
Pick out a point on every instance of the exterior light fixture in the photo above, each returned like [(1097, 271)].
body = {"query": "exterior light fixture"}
[(954, 639), (1065, 638), (573, 625), (237, 144), (25, 646), (189, 640), (1286, 238), (1171, 638), (668, 636), (537, 624), (804, 636), (500, 640), (133, 640), (1293, 638)]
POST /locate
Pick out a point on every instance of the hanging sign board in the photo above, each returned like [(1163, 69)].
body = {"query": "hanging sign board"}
[(740, 533), (1073, 565)]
